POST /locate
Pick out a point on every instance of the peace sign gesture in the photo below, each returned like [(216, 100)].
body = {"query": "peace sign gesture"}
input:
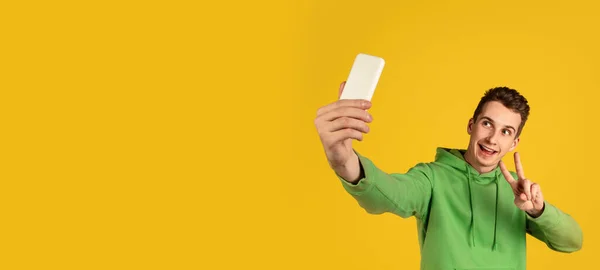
[(528, 195)]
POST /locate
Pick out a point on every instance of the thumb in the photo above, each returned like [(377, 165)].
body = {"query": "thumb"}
[(341, 89)]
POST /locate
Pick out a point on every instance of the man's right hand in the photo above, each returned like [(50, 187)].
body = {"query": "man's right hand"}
[(338, 124)]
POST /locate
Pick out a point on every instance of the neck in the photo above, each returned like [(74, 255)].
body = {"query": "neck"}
[(469, 156)]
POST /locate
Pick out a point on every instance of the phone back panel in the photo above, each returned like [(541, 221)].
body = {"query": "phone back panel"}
[(363, 77)]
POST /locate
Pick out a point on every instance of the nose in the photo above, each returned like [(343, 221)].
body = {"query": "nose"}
[(492, 138)]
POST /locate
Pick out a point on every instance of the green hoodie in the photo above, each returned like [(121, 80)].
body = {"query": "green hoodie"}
[(465, 220)]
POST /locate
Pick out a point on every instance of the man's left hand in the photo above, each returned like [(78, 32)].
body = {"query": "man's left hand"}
[(528, 195)]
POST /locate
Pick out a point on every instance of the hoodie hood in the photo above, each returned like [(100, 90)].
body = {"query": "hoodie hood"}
[(455, 159)]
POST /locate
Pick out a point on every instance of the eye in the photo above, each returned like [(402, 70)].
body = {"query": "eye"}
[(506, 132), (487, 123)]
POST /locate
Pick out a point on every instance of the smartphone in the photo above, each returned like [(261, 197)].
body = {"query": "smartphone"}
[(363, 78)]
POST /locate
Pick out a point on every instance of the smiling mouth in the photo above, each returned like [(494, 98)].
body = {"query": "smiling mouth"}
[(487, 150)]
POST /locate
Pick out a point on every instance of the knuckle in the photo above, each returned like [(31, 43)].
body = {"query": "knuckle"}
[(320, 111), (345, 121), (320, 126)]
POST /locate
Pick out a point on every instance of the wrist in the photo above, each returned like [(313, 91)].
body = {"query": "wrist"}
[(535, 213), (351, 171)]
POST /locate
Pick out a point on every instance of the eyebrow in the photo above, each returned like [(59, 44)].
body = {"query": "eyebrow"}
[(490, 119)]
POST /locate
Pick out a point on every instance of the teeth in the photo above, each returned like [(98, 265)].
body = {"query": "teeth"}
[(487, 148)]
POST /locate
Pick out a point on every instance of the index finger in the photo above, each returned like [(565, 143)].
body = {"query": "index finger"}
[(509, 178), (519, 166), (357, 103)]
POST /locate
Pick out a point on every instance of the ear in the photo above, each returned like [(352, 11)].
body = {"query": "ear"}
[(514, 144), (470, 126)]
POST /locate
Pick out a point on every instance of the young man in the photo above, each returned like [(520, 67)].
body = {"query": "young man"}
[(472, 213)]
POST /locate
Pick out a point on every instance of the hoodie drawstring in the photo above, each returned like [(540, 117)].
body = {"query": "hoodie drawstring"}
[(472, 225), (495, 245)]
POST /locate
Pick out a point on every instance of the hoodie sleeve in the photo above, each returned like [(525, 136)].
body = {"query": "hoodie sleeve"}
[(401, 194), (557, 229)]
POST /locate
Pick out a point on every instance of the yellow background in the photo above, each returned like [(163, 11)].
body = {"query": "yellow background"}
[(180, 134)]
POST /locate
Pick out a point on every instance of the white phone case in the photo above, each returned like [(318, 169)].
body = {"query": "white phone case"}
[(363, 78)]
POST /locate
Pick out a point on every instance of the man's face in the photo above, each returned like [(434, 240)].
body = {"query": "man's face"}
[(492, 136)]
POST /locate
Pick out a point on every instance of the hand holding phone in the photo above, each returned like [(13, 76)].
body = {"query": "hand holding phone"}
[(347, 119)]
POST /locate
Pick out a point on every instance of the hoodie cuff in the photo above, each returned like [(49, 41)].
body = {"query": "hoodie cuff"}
[(364, 184), (549, 218)]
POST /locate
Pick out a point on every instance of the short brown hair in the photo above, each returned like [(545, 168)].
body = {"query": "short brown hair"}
[(510, 98)]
